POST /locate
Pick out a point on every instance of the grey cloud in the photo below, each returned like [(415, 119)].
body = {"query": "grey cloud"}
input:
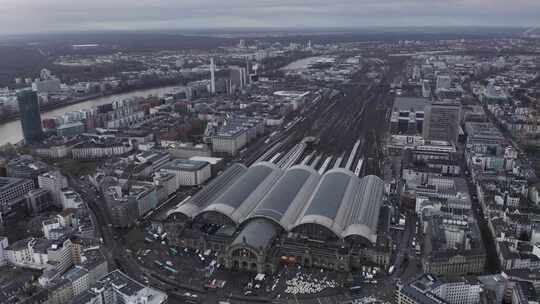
[(61, 15)]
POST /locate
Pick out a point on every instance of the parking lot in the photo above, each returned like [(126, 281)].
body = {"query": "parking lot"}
[(194, 271), (187, 271)]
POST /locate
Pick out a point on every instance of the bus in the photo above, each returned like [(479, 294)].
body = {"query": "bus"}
[(169, 268), (355, 290)]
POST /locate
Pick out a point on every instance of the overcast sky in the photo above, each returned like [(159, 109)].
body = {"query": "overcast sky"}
[(18, 16)]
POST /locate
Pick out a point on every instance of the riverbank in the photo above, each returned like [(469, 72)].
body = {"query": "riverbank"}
[(112, 93), (11, 132)]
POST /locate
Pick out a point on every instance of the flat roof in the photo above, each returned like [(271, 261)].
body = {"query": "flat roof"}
[(482, 129), (75, 273), (417, 104), (211, 160), (122, 282), (70, 125), (8, 182), (185, 165)]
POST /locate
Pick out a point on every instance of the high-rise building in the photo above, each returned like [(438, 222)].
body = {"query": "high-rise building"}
[(212, 76), (426, 88), (238, 77), (30, 116), (441, 121)]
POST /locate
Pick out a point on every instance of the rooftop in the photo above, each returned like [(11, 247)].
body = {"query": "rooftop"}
[(122, 283), (186, 165), (417, 104), (257, 234), (8, 182), (75, 273)]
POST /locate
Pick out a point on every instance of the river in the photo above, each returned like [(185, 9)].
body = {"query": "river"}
[(11, 132), (302, 64)]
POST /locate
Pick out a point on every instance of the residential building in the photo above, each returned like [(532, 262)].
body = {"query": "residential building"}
[(127, 290), (70, 199), (55, 182), (3, 245), (38, 200)]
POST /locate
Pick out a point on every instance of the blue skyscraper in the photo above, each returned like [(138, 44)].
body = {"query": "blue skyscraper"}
[(30, 116)]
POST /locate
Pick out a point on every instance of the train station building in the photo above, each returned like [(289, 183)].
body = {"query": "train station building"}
[(259, 217)]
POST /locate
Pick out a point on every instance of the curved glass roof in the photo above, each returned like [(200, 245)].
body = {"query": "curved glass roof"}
[(330, 193), (338, 201), (363, 213), (258, 234), (210, 191), (244, 186), (282, 196), (244, 194)]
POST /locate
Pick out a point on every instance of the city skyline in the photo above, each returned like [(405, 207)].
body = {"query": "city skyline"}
[(307, 152), (61, 16)]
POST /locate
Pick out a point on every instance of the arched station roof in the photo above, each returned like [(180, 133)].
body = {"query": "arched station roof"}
[(243, 195), (283, 203), (197, 202), (363, 213), (336, 188)]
